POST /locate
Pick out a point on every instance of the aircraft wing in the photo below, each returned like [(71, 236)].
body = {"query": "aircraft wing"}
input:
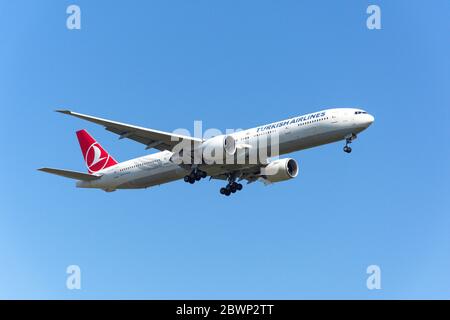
[(249, 173), (150, 138), (71, 174)]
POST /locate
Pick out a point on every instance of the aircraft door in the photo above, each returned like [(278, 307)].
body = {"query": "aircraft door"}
[(334, 117)]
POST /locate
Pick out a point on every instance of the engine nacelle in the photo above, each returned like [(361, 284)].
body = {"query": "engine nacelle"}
[(280, 170), (217, 148)]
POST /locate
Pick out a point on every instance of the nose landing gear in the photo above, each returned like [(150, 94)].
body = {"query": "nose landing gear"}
[(349, 139)]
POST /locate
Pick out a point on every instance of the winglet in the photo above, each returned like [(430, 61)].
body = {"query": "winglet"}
[(65, 111)]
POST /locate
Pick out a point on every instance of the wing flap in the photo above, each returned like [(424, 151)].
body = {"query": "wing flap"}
[(70, 174)]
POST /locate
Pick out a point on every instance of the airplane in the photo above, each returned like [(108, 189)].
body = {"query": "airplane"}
[(290, 135)]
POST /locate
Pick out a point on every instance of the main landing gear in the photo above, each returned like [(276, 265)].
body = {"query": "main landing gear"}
[(349, 139), (231, 187), (195, 175)]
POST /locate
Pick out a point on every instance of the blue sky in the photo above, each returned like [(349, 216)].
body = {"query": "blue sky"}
[(231, 64)]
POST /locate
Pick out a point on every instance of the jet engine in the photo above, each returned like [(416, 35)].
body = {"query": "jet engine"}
[(280, 170), (216, 149)]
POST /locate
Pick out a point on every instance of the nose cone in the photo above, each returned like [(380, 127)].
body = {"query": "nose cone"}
[(368, 119)]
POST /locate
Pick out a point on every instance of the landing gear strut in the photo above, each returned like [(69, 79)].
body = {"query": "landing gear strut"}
[(231, 187), (195, 175), (349, 139)]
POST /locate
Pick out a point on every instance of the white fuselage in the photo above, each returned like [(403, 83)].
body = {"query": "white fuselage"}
[(294, 134)]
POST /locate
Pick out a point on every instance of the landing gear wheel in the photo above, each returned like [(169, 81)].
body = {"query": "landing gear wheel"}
[(195, 175), (232, 186), (349, 139)]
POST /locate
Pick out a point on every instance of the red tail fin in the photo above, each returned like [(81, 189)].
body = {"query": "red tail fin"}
[(95, 157)]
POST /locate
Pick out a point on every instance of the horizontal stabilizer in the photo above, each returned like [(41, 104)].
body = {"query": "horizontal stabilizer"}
[(71, 174)]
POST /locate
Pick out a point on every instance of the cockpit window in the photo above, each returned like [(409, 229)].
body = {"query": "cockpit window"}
[(360, 112)]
